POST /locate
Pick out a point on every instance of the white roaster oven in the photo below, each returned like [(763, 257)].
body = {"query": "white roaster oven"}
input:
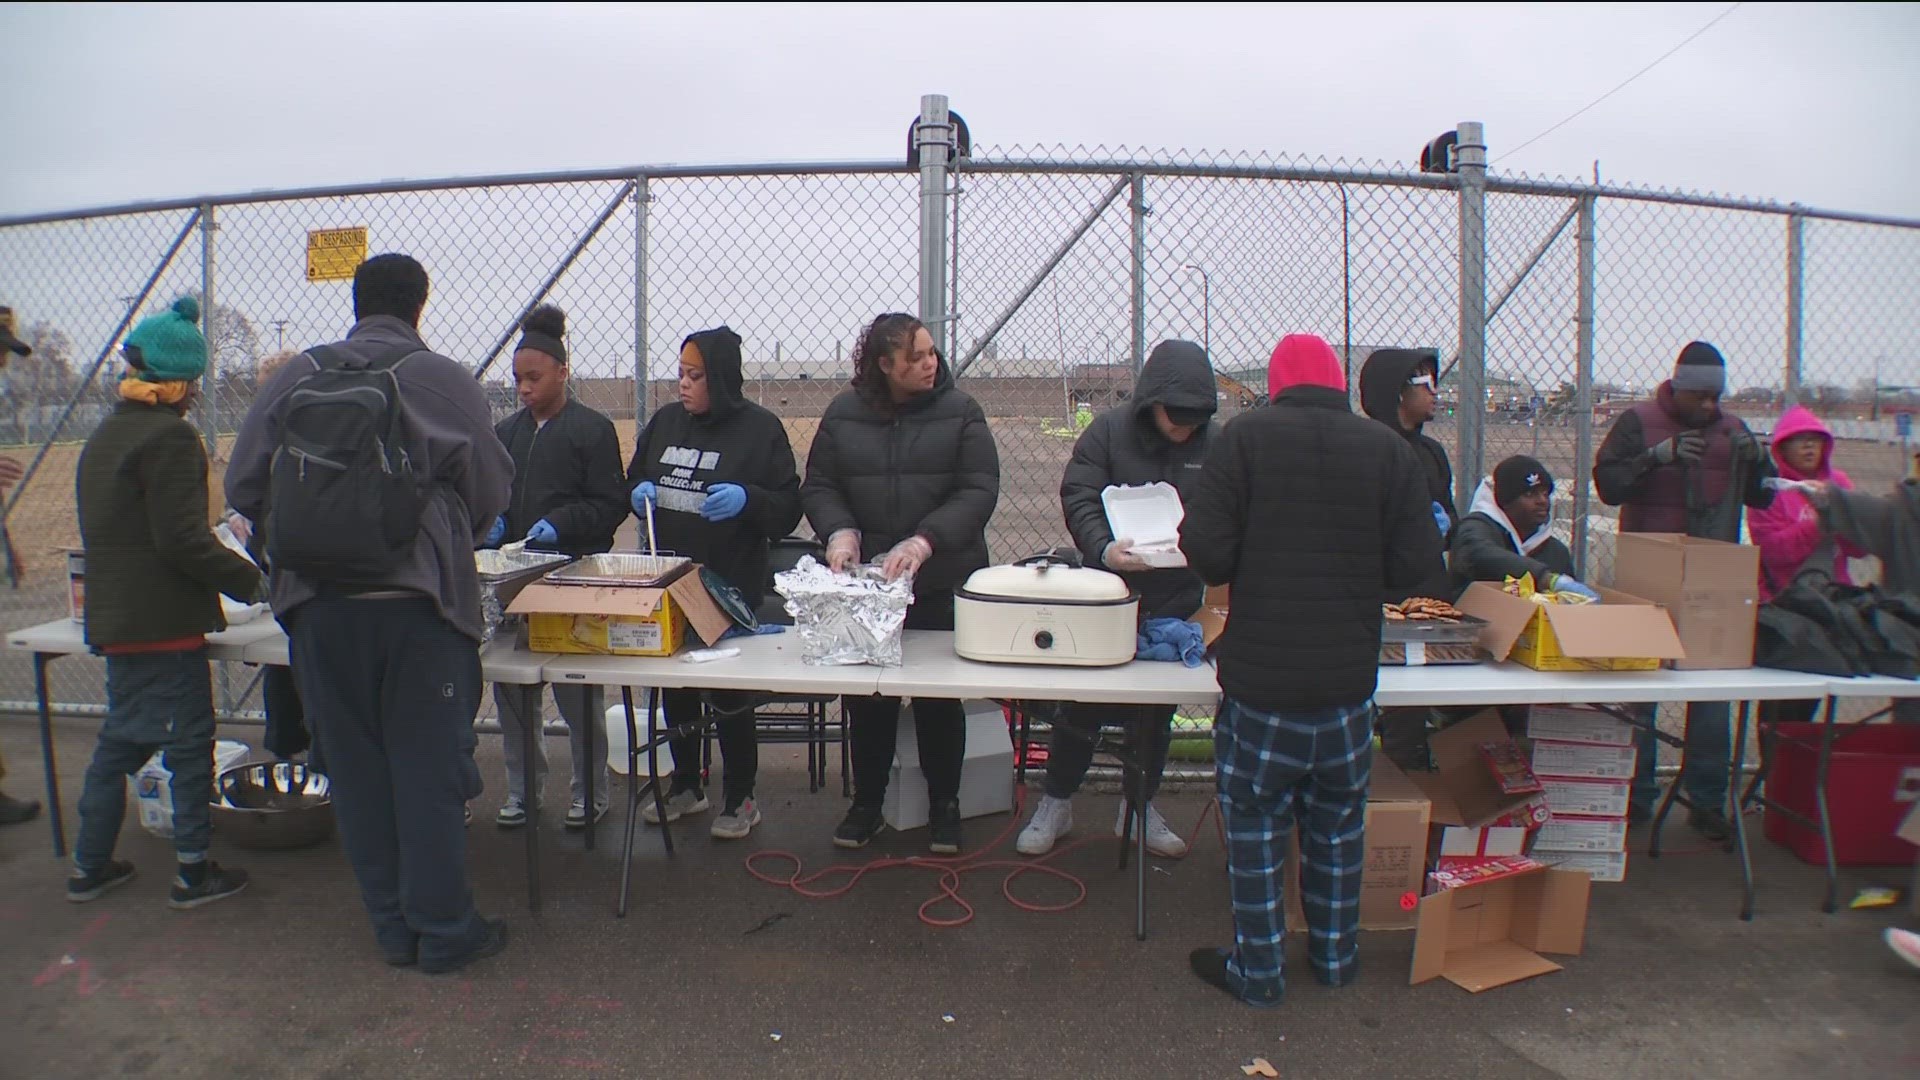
[(1046, 610)]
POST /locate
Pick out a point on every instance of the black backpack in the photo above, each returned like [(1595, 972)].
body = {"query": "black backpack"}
[(345, 502)]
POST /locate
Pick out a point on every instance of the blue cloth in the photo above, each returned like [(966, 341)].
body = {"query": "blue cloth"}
[(723, 502), (497, 533), (543, 532), (1441, 520), (643, 494), (1270, 767), (1169, 640), (155, 701)]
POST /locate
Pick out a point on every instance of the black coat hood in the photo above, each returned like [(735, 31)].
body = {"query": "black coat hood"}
[(1383, 377), (719, 348), (1177, 374)]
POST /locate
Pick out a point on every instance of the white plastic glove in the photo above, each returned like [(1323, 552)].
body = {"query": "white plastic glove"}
[(1119, 557), (241, 528), (906, 558), (843, 549)]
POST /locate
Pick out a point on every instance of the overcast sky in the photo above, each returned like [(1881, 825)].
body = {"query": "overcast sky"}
[(1813, 103)]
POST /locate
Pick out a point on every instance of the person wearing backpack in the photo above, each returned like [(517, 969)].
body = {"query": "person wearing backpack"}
[(374, 465), (569, 495)]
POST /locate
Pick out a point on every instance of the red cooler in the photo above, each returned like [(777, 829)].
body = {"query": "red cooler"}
[(1873, 781)]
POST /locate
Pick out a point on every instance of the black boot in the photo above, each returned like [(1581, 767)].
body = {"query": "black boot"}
[(943, 826)]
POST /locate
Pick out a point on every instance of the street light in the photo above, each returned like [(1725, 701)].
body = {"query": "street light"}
[(1206, 307)]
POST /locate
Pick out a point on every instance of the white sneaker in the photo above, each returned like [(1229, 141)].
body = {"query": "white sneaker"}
[(1052, 819), (1161, 839), (679, 804), (1905, 944), (735, 824)]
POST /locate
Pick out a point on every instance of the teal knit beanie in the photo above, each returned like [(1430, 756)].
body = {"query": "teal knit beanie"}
[(168, 347)]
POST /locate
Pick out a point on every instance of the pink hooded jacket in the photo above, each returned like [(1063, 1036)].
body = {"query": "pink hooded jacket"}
[(1789, 530)]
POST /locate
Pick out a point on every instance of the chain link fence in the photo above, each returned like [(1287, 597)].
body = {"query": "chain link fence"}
[(1065, 266)]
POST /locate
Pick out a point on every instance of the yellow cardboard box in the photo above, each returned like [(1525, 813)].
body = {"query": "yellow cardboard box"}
[(1621, 633), (614, 621)]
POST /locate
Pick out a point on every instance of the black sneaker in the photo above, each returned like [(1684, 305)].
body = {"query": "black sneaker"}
[(861, 824), (15, 811), (493, 944), (204, 883), (943, 827), (1210, 967), (84, 887), (1711, 824)]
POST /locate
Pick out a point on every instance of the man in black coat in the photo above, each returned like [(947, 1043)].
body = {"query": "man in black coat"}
[(1160, 435), (1312, 515)]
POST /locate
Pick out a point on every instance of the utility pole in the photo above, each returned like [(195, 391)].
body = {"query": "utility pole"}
[(280, 335)]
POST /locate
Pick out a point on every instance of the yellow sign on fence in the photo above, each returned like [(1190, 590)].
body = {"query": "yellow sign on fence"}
[(334, 254)]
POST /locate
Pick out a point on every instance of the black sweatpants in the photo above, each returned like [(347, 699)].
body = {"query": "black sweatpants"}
[(739, 745), (939, 725), (391, 690)]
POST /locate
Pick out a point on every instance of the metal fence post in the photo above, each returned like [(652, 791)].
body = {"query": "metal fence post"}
[(1583, 385), (933, 135), (1137, 204), (642, 366), (1470, 465), (1796, 301), (209, 379)]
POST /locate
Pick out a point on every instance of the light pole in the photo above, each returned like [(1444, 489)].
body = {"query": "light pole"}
[(1206, 307)]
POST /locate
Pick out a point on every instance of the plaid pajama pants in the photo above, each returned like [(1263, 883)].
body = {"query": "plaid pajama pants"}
[(1272, 767)]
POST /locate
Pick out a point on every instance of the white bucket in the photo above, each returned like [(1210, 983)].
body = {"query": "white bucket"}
[(616, 724)]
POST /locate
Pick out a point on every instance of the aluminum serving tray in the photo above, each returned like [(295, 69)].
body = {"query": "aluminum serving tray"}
[(1464, 631), (630, 569), (497, 566)]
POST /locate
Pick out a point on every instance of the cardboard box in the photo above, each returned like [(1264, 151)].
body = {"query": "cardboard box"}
[(1621, 633), (1581, 834), (1609, 867), (619, 621), (1572, 723), (1489, 934), (1212, 615), (1459, 842), (1582, 761), (1463, 791), (986, 777), (1709, 587), (1587, 798), (1396, 853)]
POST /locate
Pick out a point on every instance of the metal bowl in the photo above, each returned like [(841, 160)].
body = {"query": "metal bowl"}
[(272, 805)]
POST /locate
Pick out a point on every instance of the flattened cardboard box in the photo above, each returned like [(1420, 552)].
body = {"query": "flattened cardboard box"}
[(1710, 587), (1621, 633), (1396, 853), (618, 621), (1480, 936), (1461, 787)]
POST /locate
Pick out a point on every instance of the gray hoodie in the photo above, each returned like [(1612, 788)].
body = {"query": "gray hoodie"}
[(451, 429)]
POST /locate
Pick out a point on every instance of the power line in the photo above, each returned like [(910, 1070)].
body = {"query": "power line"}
[(1662, 58)]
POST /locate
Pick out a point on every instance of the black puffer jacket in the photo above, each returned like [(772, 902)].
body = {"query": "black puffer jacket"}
[(566, 472), (1311, 514), (1122, 446), (734, 442), (926, 467)]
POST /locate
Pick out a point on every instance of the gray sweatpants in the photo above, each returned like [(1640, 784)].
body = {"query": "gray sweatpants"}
[(582, 707)]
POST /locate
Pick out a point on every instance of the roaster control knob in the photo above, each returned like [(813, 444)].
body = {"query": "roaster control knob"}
[(1044, 639)]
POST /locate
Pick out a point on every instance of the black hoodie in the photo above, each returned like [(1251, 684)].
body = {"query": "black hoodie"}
[(927, 466), (1382, 379), (1123, 446), (734, 442)]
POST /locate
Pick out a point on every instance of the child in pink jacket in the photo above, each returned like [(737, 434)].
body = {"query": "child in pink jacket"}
[(1789, 530)]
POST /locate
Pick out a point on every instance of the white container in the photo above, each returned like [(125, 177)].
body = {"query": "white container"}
[(1607, 867), (1577, 834), (1582, 761), (986, 779), (1563, 723), (152, 787), (616, 724), (1043, 611), (1150, 516), (1587, 798)]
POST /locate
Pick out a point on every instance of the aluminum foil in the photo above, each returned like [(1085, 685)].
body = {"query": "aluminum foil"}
[(850, 618), (502, 573)]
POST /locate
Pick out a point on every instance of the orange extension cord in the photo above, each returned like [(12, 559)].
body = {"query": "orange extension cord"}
[(951, 868)]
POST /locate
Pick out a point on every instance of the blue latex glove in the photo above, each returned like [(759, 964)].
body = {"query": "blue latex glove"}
[(497, 533), (724, 502), (642, 495), (1441, 521), (543, 532), (1565, 583)]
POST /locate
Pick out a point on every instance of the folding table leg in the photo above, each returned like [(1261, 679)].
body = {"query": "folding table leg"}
[(653, 768), (530, 733), (1827, 730), (1739, 813), (1022, 743), (1139, 752), (633, 802), (593, 729), (40, 662)]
